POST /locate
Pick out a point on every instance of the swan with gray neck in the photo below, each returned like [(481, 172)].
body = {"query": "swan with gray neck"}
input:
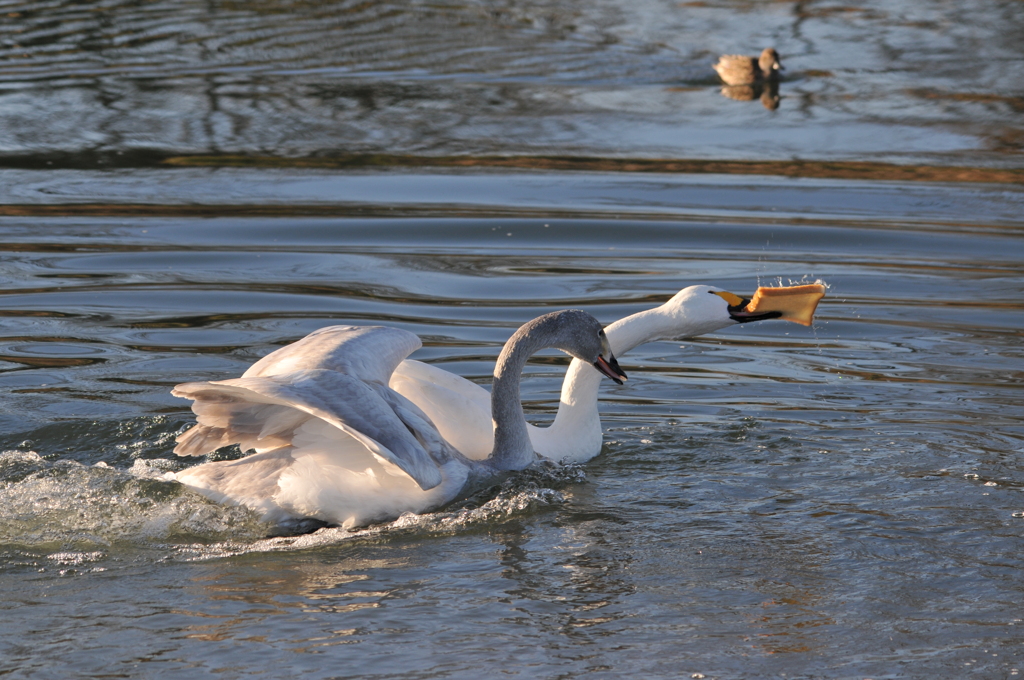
[(333, 442), (513, 449)]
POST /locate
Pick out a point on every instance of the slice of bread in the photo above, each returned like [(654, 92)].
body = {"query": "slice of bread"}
[(797, 303)]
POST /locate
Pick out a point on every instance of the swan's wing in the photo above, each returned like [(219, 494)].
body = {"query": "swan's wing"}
[(369, 353), (460, 409), (264, 412), (225, 417), (418, 423)]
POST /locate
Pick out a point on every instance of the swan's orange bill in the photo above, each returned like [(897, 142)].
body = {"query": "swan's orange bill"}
[(794, 303)]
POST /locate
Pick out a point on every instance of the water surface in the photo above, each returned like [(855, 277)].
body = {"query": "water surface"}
[(101, 82), (185, 187), (843, 500)]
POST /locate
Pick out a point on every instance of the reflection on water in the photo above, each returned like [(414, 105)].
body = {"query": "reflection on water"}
[(922, 82), (766, 93)]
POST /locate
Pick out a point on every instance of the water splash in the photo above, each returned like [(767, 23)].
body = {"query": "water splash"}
[(79, 512), (67, 506), (537, 487)]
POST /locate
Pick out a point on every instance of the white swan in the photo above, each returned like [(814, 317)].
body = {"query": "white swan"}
[(460, 409), (333, 442)]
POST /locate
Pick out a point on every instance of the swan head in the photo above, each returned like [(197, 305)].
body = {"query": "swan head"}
[(582, 336), (697, 310), (576, 333)]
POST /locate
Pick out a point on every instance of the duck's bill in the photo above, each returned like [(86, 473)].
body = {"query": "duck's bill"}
[(610, 367), (789, 303)]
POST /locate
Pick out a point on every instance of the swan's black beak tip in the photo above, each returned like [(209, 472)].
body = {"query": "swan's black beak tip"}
[(610, 367)]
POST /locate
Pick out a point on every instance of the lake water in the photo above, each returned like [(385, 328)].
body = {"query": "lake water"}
[(186, 187)]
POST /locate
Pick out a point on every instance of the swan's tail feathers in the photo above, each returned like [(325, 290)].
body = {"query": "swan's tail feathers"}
[(248, 411)]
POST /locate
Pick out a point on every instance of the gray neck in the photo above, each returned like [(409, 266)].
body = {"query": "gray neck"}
[(512, 447)]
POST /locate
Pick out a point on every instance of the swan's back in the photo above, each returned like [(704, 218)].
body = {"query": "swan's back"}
[(460, 409)]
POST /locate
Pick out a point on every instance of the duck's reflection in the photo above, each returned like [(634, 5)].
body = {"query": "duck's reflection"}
[(767, 92)]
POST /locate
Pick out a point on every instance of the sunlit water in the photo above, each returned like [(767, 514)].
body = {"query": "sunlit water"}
[(842, 500), (185, 187), (104, 81)]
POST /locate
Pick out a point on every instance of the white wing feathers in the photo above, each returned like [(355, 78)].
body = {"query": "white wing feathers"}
[(337, 375), (240, 410), (369, 353)]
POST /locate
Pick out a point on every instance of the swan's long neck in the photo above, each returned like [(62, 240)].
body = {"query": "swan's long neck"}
[(513, 449), (580, 387)]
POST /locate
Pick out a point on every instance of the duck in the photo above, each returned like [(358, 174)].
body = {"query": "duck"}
[(333, 443), (460, 408), (737, 69)]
